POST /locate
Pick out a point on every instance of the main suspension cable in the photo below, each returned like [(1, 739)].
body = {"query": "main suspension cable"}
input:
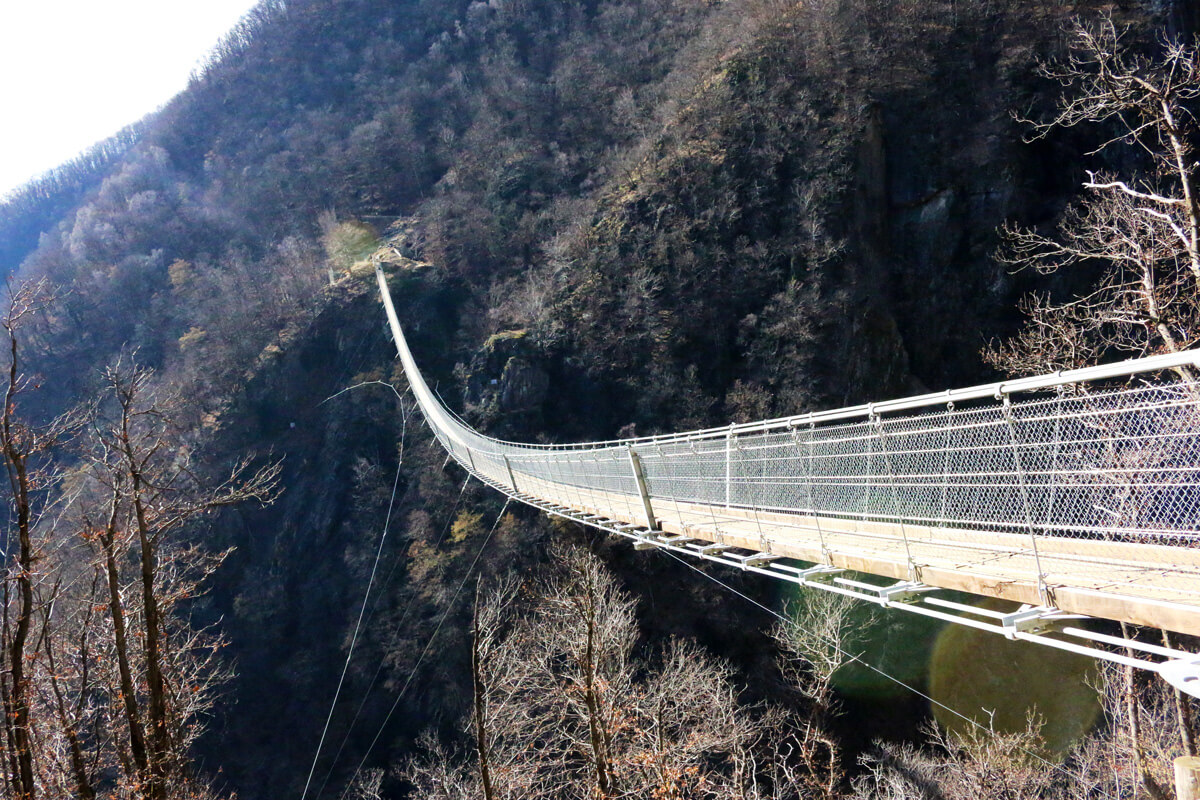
[(366, 597), (354, 638), (382, 661)]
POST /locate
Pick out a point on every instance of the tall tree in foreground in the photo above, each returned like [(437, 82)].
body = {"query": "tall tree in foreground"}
[(1137, 237), (105, 682), (23, 445), (143, 496)]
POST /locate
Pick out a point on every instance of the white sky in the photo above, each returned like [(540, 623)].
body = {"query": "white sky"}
[(74, 72)]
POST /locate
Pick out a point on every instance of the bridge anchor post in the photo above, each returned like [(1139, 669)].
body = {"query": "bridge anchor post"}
[(640, 477)]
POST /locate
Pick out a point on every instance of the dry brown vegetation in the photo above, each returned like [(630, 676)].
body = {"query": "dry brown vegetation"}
[(697, 211)]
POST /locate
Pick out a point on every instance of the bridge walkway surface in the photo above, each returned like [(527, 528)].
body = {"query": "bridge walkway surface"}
[(1143, 584)]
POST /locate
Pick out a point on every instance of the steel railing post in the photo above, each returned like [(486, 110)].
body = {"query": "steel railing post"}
[(945, 466), (913, 571), (512, 481), (1043, 591), (826, 555), (1054, 476), (728, 465)]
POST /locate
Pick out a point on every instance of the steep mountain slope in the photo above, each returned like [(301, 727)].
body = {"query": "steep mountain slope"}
[(661, 213)]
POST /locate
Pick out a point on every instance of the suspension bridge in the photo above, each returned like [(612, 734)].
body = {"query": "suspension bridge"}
[(1075, 495)]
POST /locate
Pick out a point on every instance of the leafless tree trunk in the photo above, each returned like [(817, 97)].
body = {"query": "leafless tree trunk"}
[(1133, 717), (68, 717), (135, 457), (145, 483), (20, 443), (93, 679), (814, 646), (17, 703), (563, 709), (122, 648), (598, 733), (479, 650), (1140, 235), (1183, 711)]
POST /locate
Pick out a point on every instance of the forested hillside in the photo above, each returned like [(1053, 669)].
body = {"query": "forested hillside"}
[(601, 216)]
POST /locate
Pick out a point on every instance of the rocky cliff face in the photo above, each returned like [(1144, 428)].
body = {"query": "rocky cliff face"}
[(816, 227), (290, 590), (504, 384)]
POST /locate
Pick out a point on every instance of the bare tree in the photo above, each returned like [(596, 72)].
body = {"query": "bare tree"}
[(1138, 236), (1109, 762), (691, 732), (487, 667), (1140, 739), (983, 763), (564, 708), (814, 645), (119, 678), (437, 774), (105, 681), (26, 447), (20, 443), (68, 689), (145, 493), (368, 785)]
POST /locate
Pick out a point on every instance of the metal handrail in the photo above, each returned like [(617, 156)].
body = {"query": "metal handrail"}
[(998, 389)]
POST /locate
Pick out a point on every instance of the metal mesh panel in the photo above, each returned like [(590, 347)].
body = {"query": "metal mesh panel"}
[(1103, 465), (1114, 466)]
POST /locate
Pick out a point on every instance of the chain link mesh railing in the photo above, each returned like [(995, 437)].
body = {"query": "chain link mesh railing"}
[(1068, 483)]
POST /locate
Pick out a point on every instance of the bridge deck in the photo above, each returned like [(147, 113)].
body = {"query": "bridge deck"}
[(1143, 584)]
